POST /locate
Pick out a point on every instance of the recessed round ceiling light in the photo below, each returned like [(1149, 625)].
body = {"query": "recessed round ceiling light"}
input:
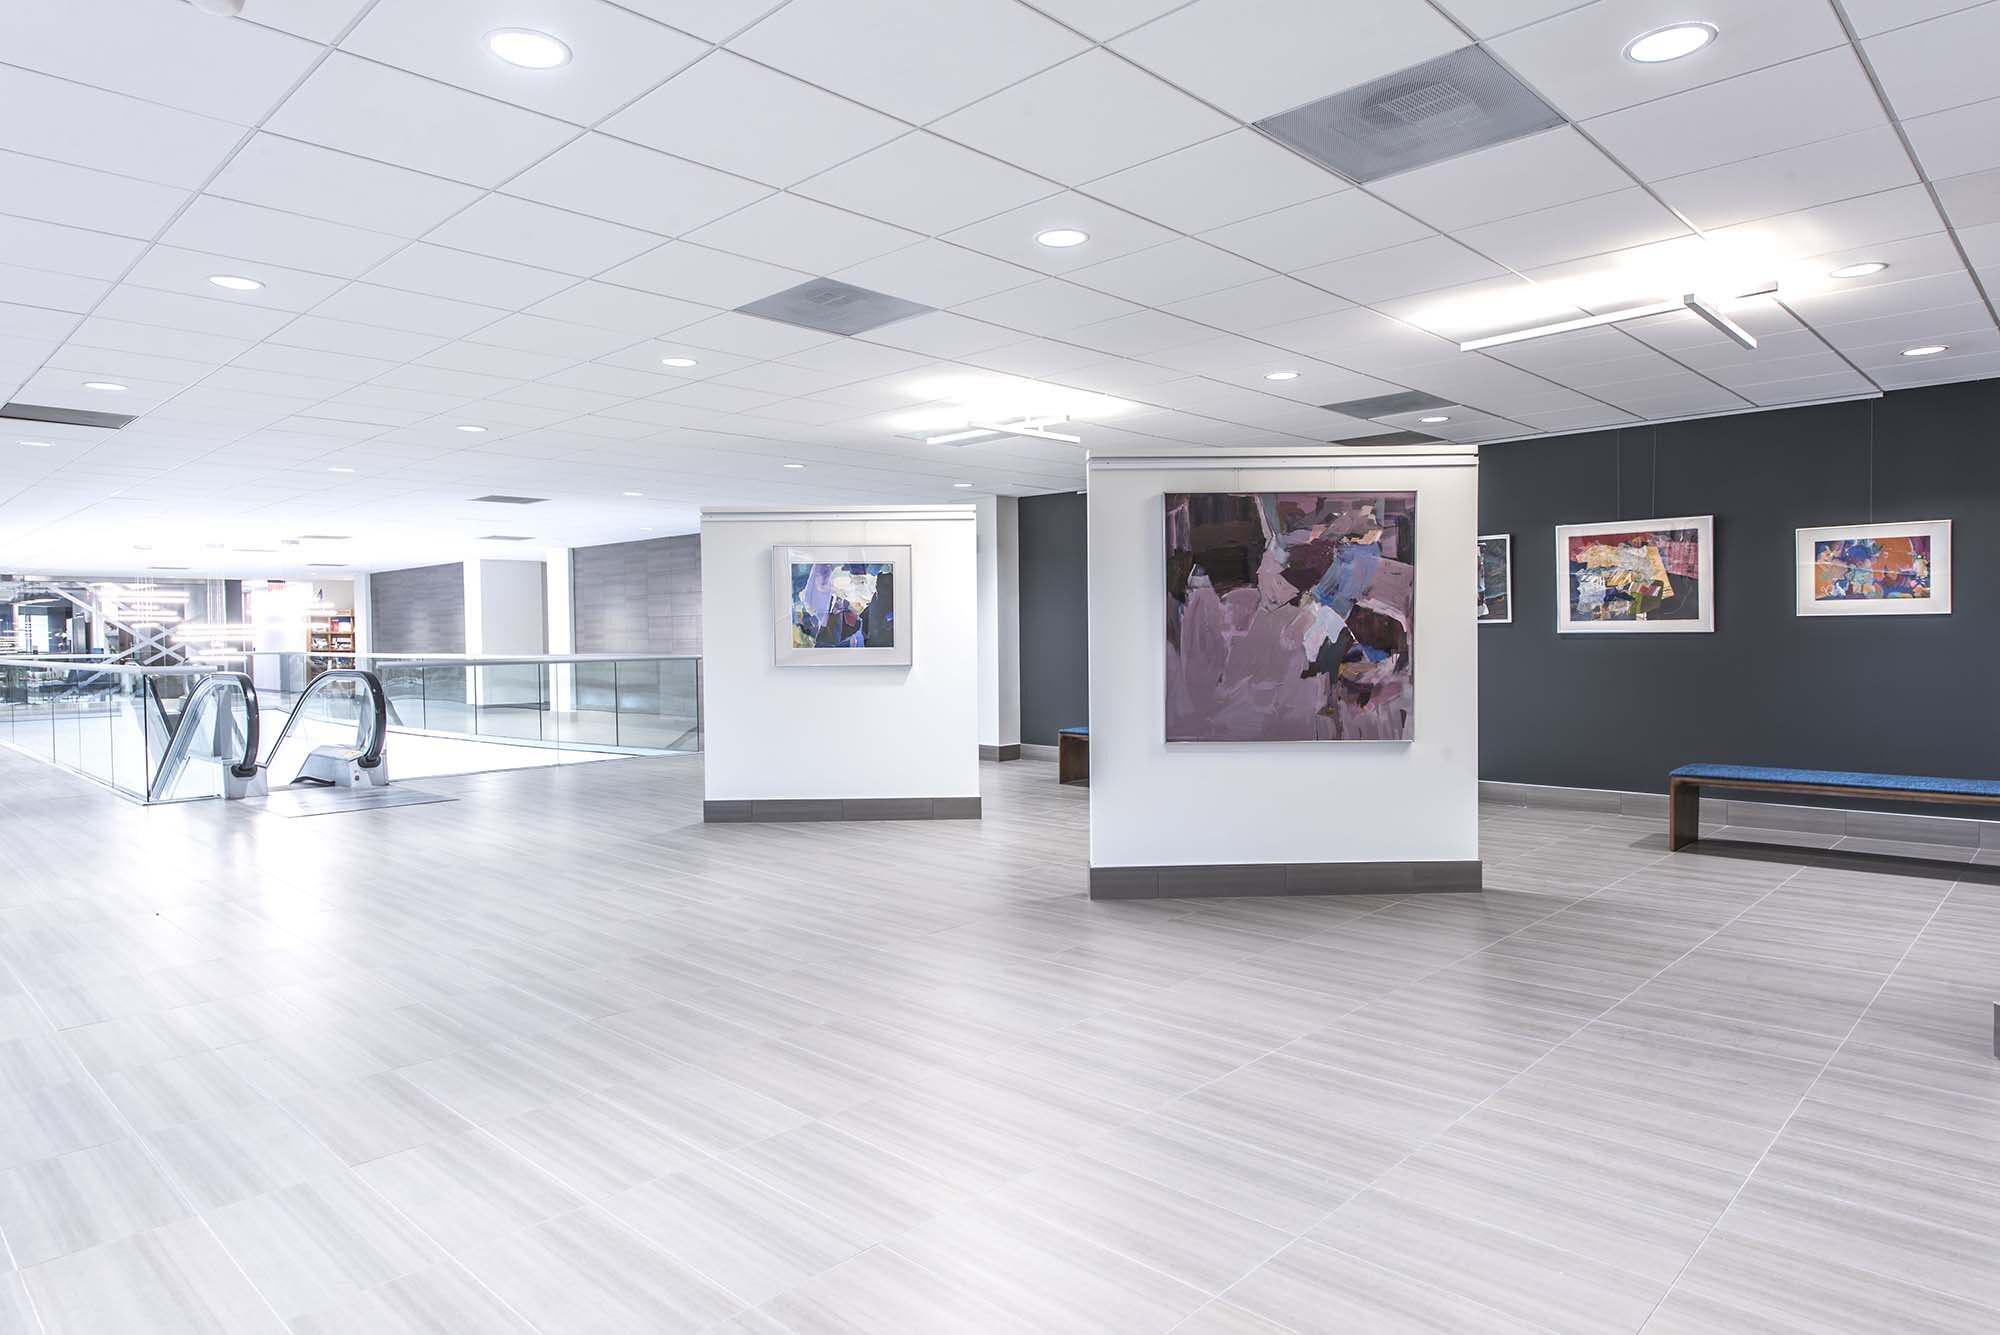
[(527, 48), (1062, 238), (1281, 375), (472, 428), (234, 282), (1669, 43), (795, 465), (1927, 350), (38, 444), (1861, 270), (1433, 421), (339, 469), (678, 361), (107, 386)]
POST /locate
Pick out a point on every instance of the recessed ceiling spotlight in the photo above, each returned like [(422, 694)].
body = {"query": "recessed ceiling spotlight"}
[(795, 465), (38, 444), (527, 48), (337, 468), (1861, 270), (1281, 375), (961, 485), (1669, 43), (1062, 238), (470, 427), (635, 493), (1433, 421), (678, 361), (234, 282), (1927, 350), (107, 386)]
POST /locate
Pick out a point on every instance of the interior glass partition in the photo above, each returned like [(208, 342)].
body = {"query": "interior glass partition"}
[(107, 721)]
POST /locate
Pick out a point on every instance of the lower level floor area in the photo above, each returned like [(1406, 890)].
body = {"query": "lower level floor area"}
[(551, 1055)]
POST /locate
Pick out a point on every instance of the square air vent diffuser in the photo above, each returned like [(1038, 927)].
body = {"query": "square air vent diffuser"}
[(1454, 104), (833, 307), (1388, 405)]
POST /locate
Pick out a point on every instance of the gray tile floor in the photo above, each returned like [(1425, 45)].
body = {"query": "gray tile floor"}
[(555, 1057)]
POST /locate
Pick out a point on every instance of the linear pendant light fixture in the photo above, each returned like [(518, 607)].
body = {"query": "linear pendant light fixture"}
[(1035, 428), (1702, 306)]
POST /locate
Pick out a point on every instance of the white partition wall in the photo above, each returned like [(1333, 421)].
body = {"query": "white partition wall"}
[(848, 742), (1194, 818)]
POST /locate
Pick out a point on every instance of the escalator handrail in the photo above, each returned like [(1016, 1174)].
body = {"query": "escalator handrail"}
[(378, 737), (213, 684)]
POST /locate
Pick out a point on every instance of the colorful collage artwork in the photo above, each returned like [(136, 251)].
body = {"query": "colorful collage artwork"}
[(1290, 616), (1646, 576), (1875, 569), (841, 606)]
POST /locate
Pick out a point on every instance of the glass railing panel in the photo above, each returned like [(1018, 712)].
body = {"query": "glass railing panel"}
[(447, 699), (592, 717), (509, 700), (403, 687), (657, 704)]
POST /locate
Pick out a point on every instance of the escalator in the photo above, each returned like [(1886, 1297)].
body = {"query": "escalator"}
[(336, 736)]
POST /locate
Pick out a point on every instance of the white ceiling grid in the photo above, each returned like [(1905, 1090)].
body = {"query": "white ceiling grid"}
[(449, 241)]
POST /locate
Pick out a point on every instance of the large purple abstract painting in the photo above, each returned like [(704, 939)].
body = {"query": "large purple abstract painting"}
[(1289, 616)]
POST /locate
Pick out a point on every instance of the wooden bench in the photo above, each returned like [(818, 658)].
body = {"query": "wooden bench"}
[(1684, 787), (1073, 756)]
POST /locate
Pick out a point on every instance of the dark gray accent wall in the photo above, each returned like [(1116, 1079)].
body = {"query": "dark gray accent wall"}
[(1055, 631), (638, 597), (417, 611), (1904, 694)]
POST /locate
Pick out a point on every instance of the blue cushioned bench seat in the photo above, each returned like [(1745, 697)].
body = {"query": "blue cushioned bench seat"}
[(1073, 732), (1684, 787)]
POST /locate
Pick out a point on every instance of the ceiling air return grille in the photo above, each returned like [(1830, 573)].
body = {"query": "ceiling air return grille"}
[(1457, 103), (1388, 405), (510, 500), (833, 307), (36, 412)]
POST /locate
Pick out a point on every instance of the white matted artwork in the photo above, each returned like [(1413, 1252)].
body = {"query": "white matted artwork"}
[(1847, 570), (1636, 576), (1496, 579), (842, 606)]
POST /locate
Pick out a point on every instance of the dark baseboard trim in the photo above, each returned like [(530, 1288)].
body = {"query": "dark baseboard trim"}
[(1280, 878), (1011, 751), (841, 808)]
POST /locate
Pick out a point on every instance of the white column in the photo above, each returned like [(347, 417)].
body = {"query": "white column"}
[(559, 594), (503, 618), (999, 623), (364, 618)]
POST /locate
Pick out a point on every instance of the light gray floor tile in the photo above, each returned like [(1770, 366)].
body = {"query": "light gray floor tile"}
[(882, 1292), (440, 1300), (595, 1144), (53, 1207), (466, 1189), (240, 1154), (864, 1190), (1011, 1260), (750, 1240), (17, 1316), (1192, 1240), (374, 1116), (1309, 1289), (174, 1280), (315, 1245), (583, 1274), (48, 1120)]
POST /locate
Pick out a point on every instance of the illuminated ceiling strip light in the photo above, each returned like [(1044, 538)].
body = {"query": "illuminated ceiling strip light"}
[(1701, 306), (1031, 427)]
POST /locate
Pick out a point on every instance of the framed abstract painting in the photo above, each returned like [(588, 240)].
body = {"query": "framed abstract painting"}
[(1496, 578), (1290, 616), (1849, 570), (1643, 576), (842, 606)]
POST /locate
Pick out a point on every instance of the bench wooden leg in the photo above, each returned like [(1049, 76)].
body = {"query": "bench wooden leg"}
[(1683, 813), (1072, 759)]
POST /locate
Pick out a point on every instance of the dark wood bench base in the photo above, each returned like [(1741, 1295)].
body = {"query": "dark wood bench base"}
[(1684, 800)]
